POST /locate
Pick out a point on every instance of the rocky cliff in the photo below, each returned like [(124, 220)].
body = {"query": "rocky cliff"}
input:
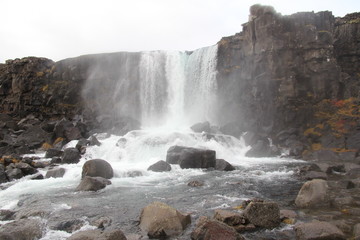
[(294, 79)]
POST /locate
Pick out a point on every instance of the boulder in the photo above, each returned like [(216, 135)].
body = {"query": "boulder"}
[(24, 229), (53, 152), (207, 229), (229, 218), (317, 230), (222, 165), (233, 129), (82, 144), (92, 184), (188, 157), (55, 173), (98, 235), (313, 193), (201, 127), (97, 168), (71, 155), (66, 129), (160, 166), (159, 220), (263, 214), (173, 154), (34, 137), (93, 141), (260, 149)]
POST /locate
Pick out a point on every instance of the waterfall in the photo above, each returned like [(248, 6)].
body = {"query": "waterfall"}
[(178, 88)]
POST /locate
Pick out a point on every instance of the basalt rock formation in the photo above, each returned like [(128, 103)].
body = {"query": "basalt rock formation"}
[(294, 79)]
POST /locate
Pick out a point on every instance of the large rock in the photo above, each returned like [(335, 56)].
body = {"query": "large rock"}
[(14, 173), (188, 157), (159, 220), (313, 193), (66, 129), (160, 166), (98, 235), (263, 214), (3, 177), (230, 218), (24, 229), (25, 168), (97, 168), (317, 230), (71, 155), (53, 152), (207, 229), (222, 165), (92, 184)]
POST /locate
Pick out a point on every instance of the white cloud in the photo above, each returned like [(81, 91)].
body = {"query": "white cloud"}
[(68, 28)]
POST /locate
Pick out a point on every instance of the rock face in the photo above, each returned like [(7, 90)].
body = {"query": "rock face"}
[(159, 220), (318, 230), (97, 168), (313, 193)]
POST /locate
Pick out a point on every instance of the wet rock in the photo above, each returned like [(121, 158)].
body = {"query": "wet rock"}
[(160, 166), (233, 129), (313, 193), (24, 229), (195, 183), (93, 141), (71, 155), (69, 226), (53, 152), (222, 165), (173, 154), (97, 168), (159, 220), (26, 168), (201, 127), (317, 230), (261, 148), (229, 218), (3, 177), (55, 173), (92, 184), (197, 158), (263, 214), (207, 229), (314, 175), (38, 176), (98, 235), (82, 144), (6, 215), (134, 173), (14, 173), (66, 129), (102, 222), (288, 216), (34, 137), (341, 202), (325, 155)]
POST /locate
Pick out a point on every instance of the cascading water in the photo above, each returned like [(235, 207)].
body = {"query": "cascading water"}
[(172, 90)]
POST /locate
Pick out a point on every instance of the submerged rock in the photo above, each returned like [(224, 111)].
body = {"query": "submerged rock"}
[(317, 230), (207, 229), (55, 173), (160, 166), (195, 183), (97, 168), (92, 184), (159, 220), (98, 235), (201, 127), (313, 193)]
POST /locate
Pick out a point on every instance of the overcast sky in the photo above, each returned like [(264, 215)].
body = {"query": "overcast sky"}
[(69, 28)]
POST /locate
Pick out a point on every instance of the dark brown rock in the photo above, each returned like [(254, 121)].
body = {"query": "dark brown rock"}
[(263, 214)]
